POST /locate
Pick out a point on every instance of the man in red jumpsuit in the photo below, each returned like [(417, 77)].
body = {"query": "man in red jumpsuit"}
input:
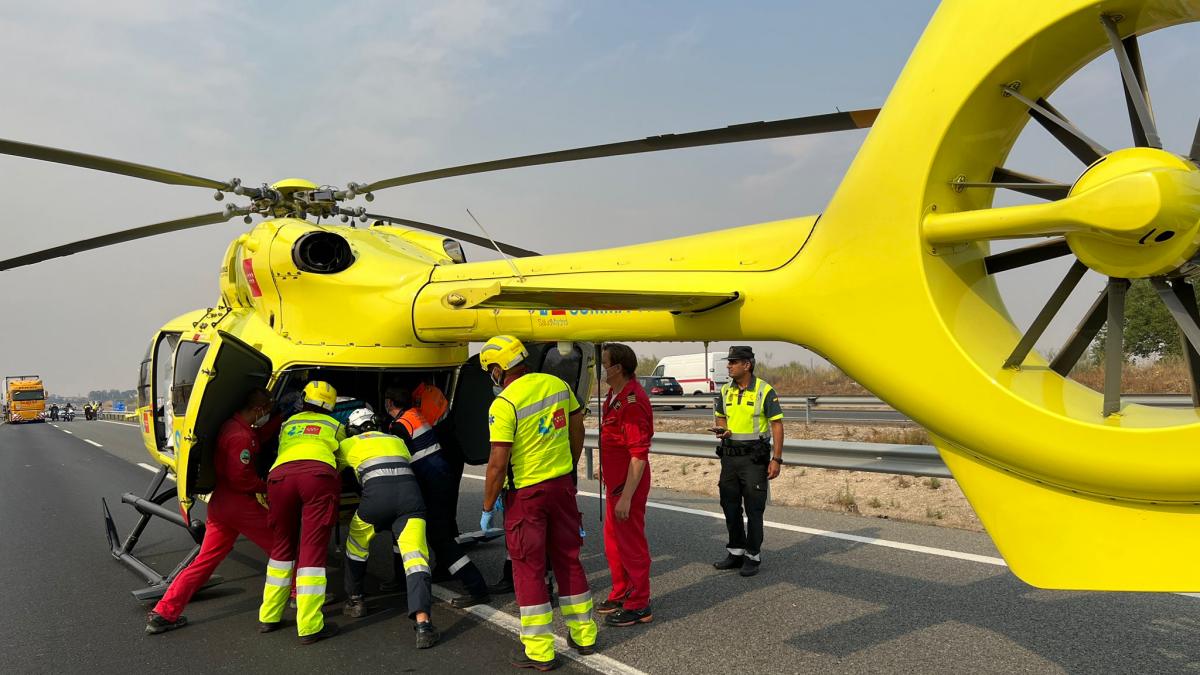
[(232, 508), (626, 427)]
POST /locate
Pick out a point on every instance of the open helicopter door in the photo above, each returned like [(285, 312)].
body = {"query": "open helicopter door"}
[(571, 362), (230, 369), (154, 396)]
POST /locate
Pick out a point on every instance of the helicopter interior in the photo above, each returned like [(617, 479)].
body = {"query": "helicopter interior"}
[(173, 365)]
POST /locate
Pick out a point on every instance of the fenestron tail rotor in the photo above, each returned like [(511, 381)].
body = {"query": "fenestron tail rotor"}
[(1149, 244)]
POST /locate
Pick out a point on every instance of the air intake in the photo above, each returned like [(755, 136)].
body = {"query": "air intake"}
[(322, 253)]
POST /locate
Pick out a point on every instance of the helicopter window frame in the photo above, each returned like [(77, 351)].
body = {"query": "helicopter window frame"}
[(186, 373)]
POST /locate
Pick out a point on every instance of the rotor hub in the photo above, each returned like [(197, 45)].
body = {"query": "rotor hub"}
[(1141, 207)]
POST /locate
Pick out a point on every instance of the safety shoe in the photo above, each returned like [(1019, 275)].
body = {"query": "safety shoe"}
[(468, 600), (750, 568), (582, 650), (327, 631), (628, 617), (269, 626), (609, 606), (519, 659), (355, 607), (427, 635), (730, 562), (155, 623)]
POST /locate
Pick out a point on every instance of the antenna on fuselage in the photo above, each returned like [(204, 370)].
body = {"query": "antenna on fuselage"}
[(511, 264)]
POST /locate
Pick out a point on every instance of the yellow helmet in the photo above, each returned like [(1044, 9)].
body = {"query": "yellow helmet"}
[(321, 394), (505, 351)]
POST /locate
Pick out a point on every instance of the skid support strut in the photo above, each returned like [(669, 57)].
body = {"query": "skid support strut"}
[(150, 506)]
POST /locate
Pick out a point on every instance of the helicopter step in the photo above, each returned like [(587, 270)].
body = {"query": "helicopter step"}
[(149, 506)]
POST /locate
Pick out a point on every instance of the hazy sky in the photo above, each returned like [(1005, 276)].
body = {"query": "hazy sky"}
[(366, 90)]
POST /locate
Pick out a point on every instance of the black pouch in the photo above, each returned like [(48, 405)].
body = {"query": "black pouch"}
[(762, 453)]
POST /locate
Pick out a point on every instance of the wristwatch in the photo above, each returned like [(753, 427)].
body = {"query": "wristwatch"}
[(777, 459)]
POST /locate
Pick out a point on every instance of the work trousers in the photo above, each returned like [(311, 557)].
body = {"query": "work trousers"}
[(304, 507), (743, 482), (440, 490), (392, 503), (239, 514), (626, 548), (543, 520)]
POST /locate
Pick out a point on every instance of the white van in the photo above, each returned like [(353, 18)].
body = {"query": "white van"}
[(697, 373)]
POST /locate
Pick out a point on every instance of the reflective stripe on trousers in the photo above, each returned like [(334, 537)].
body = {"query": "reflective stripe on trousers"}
[(358, 541), (413, 548), (310, 596), (577, 613), (276, 590), (537, 633)]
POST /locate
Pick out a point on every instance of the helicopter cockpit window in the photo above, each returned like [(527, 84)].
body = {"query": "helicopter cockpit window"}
[(188, 358), (143, 388)]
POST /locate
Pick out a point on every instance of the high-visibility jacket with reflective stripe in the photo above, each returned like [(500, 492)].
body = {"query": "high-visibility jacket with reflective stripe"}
[(531, 413), (750, 411), (424, 440), (374, 454), (309, 435)]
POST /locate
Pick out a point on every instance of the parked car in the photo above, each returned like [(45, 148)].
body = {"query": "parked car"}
[(661, 386)]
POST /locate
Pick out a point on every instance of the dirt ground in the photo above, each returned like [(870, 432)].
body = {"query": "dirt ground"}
[(933, 501)]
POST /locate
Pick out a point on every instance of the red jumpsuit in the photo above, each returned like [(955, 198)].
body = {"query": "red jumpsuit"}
[(232, 510), (625, 431)]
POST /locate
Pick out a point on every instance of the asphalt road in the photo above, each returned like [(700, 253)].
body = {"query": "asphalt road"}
[(830, 598)]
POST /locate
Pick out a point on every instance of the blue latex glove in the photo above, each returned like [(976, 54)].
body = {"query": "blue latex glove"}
[(485, 521), (499, 507), (582, 532)]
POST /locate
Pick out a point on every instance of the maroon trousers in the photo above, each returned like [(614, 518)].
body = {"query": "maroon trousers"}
[(544, 519), (304, 508), (229, 514)]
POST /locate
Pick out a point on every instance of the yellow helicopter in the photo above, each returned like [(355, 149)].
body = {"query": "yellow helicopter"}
[(1078, 489)]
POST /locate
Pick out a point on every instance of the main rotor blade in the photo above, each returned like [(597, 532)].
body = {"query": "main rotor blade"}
[(72, 158), (737, 133), (1114, 345), (1048, 312), (1084, 333), (1079, 143), (118, 238), (1026, 255), (1129, 58), (508, 249)]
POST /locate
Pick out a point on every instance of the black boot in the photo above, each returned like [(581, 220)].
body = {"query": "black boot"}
[(504, 585), (427, 635), (730, 562)]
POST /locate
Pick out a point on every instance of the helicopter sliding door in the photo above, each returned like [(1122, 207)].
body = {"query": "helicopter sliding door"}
[(473, 393), (229, 370)]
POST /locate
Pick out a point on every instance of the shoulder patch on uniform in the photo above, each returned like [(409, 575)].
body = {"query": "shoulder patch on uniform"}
[(245, 457), (632, 398), (491, 420)]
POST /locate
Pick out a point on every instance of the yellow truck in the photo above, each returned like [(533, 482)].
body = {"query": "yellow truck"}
[(25, 397)]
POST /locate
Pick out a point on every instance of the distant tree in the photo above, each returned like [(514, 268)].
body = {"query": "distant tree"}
[(1150, 330)]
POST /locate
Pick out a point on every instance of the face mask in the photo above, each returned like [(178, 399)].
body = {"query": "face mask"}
[(497, 385), (262, 420)]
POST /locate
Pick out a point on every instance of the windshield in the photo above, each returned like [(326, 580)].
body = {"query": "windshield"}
[(28, 395)]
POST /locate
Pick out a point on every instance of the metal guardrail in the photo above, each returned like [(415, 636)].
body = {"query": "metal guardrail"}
[(911, 460), (706, 401)]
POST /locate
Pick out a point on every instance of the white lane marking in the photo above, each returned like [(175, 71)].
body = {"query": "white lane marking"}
[(69, 431), (946, 553), (510, 623), (124, 424), (88, 440), (153, 470)]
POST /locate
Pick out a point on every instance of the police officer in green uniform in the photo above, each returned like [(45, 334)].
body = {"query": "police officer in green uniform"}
[(749, 423)]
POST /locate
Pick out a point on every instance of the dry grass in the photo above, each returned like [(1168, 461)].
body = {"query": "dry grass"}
[(1165, 376)]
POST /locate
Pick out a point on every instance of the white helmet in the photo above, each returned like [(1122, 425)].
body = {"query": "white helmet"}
[(361, 420)]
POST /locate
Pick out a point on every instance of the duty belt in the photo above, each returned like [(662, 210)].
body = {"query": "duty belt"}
[(737, 448)]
